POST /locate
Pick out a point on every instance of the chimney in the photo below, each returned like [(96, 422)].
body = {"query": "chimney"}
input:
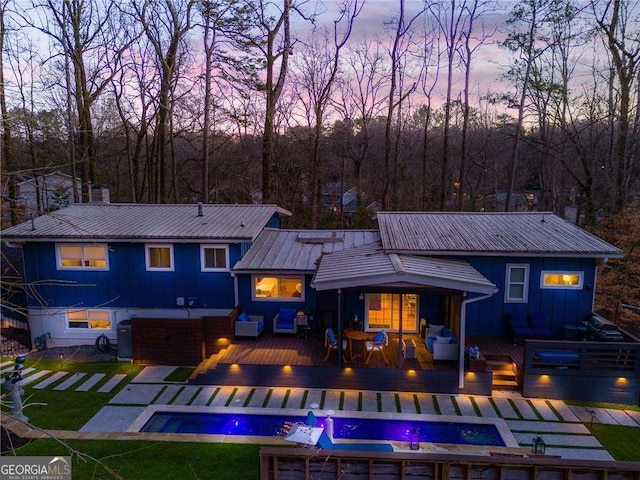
[(200, 210)]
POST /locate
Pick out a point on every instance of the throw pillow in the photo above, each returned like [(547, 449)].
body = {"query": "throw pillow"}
[(243, 317), (379, 337), (435, 330), (440, 339)]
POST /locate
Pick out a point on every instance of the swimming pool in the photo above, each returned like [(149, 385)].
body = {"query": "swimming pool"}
[(344, 428)]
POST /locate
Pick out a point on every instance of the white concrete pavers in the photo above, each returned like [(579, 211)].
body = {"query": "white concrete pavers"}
[(153, 374), (351, 400), (4, 364), (203, 396), (465, 405), (622, 418), (139, 394), (332, 400), (564, 411), (185, 396), (257, 400), (505, 407), (426, 403), (223, 395), (407, 402), (241, 396), (90, 382), (111, 384), (544, 410), (70, 381), (525, 409), (547, 427), (34, 377), (314, 397), (277, 397), (167, 395), (53, 378), (388, 402), (580, 453), (446, 405), (369, 401), (486, 407), (113, 419), (559, 440), (295, 398), (635, 415)]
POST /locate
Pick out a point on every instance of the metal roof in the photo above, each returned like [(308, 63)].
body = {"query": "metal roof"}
[(521, 233), (299, 250), (370, 266), (117, 221)]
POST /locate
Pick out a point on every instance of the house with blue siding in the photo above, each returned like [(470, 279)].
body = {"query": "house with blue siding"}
[(88, 267)]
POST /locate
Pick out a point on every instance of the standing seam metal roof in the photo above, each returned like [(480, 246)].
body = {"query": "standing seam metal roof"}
[(145, 221), (449, 233), (300, 250)]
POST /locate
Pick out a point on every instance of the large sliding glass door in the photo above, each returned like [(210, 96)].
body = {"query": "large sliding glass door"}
[(384, 310)]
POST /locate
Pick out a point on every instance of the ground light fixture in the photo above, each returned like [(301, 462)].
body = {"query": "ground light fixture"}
[(538, 446)]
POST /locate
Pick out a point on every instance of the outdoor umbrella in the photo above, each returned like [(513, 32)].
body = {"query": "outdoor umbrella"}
[(304, 434)]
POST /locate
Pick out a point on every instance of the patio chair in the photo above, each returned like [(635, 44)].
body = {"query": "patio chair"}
[(331, 343), (379, 342)]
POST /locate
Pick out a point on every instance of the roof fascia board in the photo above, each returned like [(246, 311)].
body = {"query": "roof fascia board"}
[(398, 278), (85, 239), (469, 253)]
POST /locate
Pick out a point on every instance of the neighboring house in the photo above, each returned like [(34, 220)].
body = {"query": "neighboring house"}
[(53, 191), (91, 266)]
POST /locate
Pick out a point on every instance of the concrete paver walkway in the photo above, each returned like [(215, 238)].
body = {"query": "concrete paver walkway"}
[(562, 426)]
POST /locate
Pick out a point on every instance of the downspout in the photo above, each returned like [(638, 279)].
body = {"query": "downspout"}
[(463, 334), (235, 289), (339, 349)]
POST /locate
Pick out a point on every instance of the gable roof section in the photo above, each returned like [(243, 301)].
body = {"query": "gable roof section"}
[(299, 250), (513, 234), (369, 265), (147, 222)]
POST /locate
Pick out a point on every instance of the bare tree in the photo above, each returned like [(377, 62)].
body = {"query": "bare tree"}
[(616, 22)]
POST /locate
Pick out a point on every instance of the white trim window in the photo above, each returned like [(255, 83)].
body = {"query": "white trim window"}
[(561, 279), (278, 288), (159, 257), (517, 283), (82, 256), (214, 258), (89, 319)]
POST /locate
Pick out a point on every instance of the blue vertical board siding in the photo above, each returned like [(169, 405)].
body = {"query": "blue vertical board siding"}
[(127, 283), (559, 306)]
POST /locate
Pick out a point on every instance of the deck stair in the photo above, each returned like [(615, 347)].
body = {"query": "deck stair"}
[(504, 376), (208, 364)]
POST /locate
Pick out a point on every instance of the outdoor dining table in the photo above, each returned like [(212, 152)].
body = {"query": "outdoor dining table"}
[(360, 337)]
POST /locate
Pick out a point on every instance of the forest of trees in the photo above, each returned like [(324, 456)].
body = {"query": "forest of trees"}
[(225, 101)]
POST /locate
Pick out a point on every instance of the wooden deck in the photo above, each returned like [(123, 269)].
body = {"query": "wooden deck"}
[(272, 349)]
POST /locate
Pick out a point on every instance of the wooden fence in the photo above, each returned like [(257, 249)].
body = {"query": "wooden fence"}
[(277, 463)]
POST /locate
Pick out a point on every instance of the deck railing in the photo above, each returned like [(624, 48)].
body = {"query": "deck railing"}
[(589, 371)]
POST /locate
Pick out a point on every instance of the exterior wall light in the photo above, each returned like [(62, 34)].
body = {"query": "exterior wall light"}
[(538, 446)]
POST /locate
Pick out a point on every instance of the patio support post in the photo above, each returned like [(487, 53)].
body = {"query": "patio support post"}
[(463, 333), (340, 334)]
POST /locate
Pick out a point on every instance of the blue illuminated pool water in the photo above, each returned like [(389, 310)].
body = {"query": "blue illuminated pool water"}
[(344, 428)]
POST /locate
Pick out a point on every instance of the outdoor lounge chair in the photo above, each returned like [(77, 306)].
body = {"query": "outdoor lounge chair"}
[(285, 321), (326, 444), (379, 342), (331, 343)]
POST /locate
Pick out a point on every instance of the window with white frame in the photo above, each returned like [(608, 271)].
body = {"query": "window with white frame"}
[(88, 256), (278, 288), (214, 258), (89, 319), (159, 257), (517, 283), (560, 279)]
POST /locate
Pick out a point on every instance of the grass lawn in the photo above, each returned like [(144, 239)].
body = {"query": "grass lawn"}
[(155, 460), (623, 443), (70, 410), (180, 374)]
